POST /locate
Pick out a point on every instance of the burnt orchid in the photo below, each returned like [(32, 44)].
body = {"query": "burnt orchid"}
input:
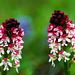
[(61, 38), (10, 44)]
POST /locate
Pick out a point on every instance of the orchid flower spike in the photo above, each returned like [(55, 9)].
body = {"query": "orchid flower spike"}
[(61, 35), (11, 44)]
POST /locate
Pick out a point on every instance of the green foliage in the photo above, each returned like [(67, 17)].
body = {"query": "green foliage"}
[(35, 51)]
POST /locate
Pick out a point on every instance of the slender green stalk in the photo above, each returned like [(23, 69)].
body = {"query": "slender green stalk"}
[(5, 56), (66, 67), (4, 72)]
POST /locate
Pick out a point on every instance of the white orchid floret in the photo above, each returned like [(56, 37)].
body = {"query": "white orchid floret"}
[(69, 24), (16, 65), (51, 26), (4, 41), (54, 51), (15, 55), (50, 39), (52, 45), (64, 38), (59, 30), (18, 47), (10, 48), (63, 55), (52, 36), (1, 35), (6, 62), (15, 30), (73, 40), (1, 51), (17, 39), (18, 31), (22, 34), (70, 31), (55, 46), (1, 32), (52, 59), (1, 26)]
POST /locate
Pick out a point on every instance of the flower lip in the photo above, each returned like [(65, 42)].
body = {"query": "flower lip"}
[(60, 27), (61, 52), (17, 63), (11, 45), (5, 59), (0, 46), (70, 21), (73, 37), (56, 42), (15, 52), (64, 35), (71, 28), (51, 55)]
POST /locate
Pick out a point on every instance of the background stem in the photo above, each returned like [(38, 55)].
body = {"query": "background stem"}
[(66, 67), (5, 56), (4, 72)]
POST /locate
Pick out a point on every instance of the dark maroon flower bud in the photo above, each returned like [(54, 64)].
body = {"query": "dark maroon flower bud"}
[(59, 17), (18, 23), (14, 22), (51, 20), (4, 24), (58, 11), (55, 11), (63, 22), (9, 23), (56, 21), (65, 16), (7, 20), (62, 13), (12, 19), (53, 14), (17, 26)]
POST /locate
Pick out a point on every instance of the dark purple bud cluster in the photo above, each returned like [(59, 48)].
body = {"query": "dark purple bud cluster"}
[(9, 23), (59, 18)]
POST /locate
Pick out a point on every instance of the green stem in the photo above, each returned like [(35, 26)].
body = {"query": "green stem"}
[(66, 67), (4, 72), (5, 56)]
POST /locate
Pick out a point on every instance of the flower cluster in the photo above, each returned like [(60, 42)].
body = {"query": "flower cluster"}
[(61, 36), (11, 44)]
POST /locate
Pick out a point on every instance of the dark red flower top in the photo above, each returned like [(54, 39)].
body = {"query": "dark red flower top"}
[(9, 23), (59, 18)]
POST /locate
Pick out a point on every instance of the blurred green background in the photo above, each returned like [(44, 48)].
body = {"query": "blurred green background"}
[(34, 17)]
